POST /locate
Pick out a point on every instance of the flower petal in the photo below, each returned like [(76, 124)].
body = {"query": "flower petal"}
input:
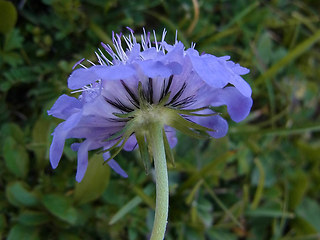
[(216, 123), (154, 69), (114, 165), (57, 145), (83, 77), (171, 136), (131, 144), (82, 160), (238, 105), (218, 72), (208, 71), (64, 107)]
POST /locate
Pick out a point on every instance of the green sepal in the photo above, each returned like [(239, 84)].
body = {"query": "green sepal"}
[(164, 100), (144, 152), (127, 127), (187, 111), (126, 132), (142, 98), (125, 115), (176, 117), (191, 112), (197, 114), (168, 150), (184, 129), (118, 149)]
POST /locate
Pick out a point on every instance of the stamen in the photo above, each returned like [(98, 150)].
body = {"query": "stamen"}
[(130, 29), (91, 62), (100, 60), (155, 40), (78, 63)]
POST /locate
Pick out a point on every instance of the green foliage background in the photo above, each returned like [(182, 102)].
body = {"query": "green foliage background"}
[(261, 181)]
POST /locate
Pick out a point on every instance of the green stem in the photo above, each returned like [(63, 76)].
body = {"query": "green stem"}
[(162, 188)]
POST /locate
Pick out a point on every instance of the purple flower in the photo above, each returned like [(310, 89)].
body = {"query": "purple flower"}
[(143, 82)]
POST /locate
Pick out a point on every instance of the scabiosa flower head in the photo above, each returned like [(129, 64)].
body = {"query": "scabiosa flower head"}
[(134, 86)]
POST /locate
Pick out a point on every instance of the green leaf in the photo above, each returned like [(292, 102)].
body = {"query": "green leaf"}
[(40, 144), (292, 55), (13, 41), (18, 195), (265, 47), (125, 209), (8, 16), (33, 218), (95, 181), (218, 234), (207, 170), (3, 223), (60, 206), (309, 210), (16, 157), (23, 233), (68, 236), (299, 181), (268, 212), (144, 195), (13, 130)]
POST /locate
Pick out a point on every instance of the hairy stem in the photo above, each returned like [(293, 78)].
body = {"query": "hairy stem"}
[(162, 188)]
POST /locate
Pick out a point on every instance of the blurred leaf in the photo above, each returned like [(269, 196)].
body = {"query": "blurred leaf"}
[(40, 137), (13, 59), (95, 181), (205, 212), (292, 55), (309, 210), (237, 18), (8, 16), (207, 170), (192, 234), (259, 191), (68, 236), (13, 41), (268, 212), (60, 206), (18, 195), (217, 234), (16, 157), (3, 223), (125, 209), (13, 130), (299, 182), (144, 195), (24, 233), (265, 48), (33, 218)]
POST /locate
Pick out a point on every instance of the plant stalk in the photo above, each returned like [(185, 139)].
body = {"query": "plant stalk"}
[(162, 187)]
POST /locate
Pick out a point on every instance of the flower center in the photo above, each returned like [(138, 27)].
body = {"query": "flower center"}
[(148, 96), (152, 114)]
